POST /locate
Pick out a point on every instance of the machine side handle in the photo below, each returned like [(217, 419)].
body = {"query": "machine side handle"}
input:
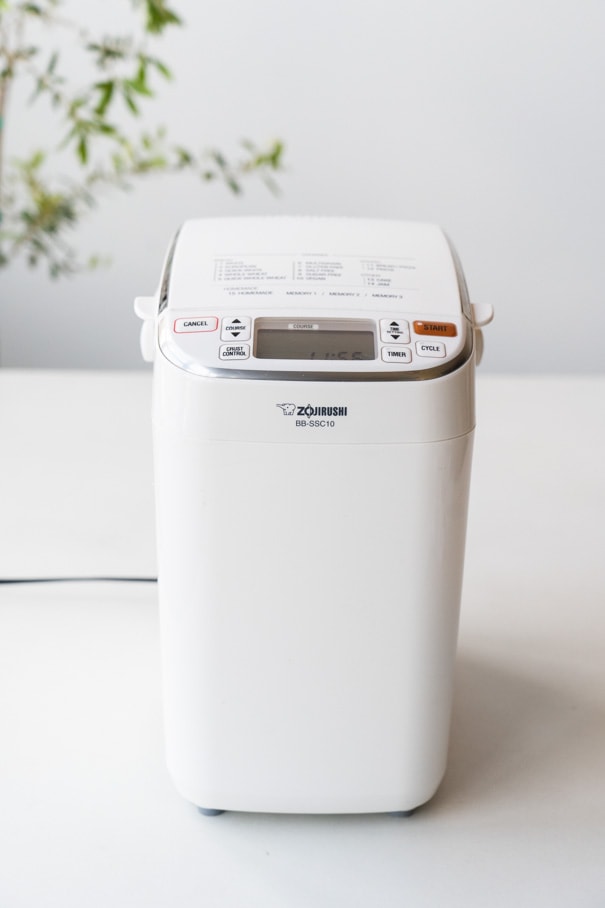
[(483, 313), (146, 307)]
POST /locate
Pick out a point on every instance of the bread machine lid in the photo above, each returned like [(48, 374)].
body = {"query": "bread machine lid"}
[(314, 299)]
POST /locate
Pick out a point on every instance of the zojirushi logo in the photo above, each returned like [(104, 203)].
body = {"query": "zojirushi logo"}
[(310, 410)]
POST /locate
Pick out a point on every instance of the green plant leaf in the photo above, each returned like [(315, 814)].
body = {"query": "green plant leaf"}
[(106, 91), (105, 129), (35, 161), (32, 9), (82, 149), (161, 67), (129, 100), (158, 15), (184, 157)]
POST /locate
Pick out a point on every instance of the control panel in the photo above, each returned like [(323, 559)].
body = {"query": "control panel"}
[(323, 342)]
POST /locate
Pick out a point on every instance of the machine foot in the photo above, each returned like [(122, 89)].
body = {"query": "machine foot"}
[(209, 812), (402, 813)]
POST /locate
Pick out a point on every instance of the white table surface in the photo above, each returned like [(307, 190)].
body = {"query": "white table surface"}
[(88, 815)]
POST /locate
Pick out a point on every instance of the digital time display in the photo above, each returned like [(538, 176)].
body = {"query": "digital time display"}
[(314, 343)]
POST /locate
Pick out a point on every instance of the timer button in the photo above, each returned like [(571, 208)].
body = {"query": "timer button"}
[(396, 355)]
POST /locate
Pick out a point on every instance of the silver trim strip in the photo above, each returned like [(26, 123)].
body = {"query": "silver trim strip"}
[(462, 288), (165, 281), (436, 371)]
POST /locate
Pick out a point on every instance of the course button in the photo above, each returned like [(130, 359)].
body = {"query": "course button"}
[(236, 328), (445, 329)]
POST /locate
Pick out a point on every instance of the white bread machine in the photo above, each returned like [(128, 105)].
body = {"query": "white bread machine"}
[(313, 422)]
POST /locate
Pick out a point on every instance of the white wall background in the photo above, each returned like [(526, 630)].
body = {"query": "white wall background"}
[(485, 117)]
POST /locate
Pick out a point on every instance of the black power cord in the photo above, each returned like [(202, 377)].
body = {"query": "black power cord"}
[(8, 580)]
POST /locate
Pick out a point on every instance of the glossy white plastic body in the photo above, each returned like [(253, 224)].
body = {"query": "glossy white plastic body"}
[(310, 583)]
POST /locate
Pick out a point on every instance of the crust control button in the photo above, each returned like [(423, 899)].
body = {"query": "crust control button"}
[(436, 329), (234, 351)]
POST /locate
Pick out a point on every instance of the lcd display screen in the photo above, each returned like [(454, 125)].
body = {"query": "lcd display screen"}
[(284, 343)]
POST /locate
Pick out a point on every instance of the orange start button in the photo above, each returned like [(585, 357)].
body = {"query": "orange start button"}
[(444, 329)]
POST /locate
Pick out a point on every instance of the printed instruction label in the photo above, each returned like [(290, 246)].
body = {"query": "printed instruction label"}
[(307, 274)]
